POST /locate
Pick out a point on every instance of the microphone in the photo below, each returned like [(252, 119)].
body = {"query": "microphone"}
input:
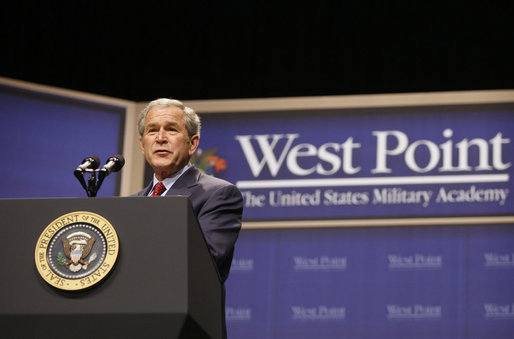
[(90, 165), (113, 164), (91, 162)]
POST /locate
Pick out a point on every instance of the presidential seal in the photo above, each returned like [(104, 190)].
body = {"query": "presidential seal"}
[(76, 251)]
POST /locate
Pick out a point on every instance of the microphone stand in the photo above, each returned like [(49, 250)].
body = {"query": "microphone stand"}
[(93, 185), (102, 173)]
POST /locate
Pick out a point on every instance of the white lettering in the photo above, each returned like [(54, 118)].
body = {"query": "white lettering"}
[(301, 150), (497, 142), (267, 149), (395, 143), (331, 158), (393, 149), (433, 160), (382, 151), (498, 195)]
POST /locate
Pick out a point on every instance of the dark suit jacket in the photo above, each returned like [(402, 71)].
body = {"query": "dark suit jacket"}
[(218, 206)]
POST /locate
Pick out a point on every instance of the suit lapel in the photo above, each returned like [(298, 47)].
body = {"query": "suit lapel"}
[(146, 190), (184, 184)]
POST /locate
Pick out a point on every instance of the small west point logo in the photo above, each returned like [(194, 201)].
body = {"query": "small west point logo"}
[(76, 251)]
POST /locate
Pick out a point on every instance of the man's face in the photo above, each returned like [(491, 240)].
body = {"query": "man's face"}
[(165, 142)]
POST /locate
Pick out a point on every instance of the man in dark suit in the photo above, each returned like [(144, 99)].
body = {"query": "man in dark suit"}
[(169, 136)]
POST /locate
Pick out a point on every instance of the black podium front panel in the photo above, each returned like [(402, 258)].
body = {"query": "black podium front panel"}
[(164, 281)]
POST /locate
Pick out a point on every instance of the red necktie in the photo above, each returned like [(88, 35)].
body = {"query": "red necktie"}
[(158, 189)]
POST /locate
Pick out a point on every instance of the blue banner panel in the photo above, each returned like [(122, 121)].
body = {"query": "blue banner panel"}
[(373, 282), (491, 283), (352, 163), (46, 137), (251, 299)]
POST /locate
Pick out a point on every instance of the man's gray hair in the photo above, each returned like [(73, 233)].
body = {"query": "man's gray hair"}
[(191, 119)]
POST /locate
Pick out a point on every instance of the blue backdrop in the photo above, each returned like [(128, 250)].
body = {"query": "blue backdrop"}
[(46, 137), (373, 282)]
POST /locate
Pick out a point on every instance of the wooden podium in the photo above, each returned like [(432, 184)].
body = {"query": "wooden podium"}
[(164, 283)]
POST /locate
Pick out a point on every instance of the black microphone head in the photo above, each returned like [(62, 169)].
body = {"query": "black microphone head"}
[(118, 160), (93, 159)]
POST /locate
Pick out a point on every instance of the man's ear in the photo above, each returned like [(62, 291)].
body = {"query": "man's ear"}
[(141, 144), (193, 144)]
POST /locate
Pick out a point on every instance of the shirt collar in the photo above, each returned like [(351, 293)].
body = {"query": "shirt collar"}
[(169, 181)]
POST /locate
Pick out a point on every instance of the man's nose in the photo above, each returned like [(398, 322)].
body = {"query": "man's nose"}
[(161, 135)]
